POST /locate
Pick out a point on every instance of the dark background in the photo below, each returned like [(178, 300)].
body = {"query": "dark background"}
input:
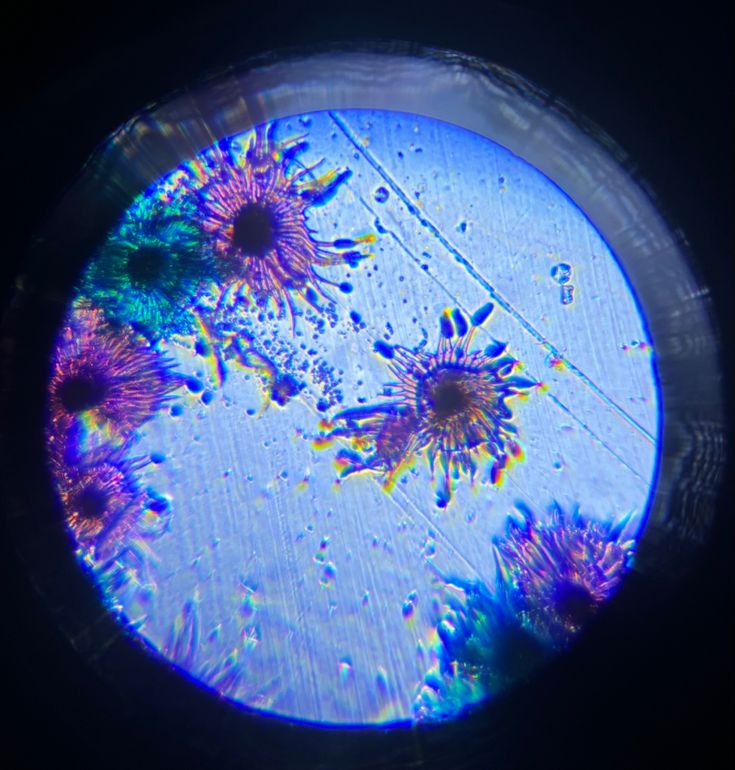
[(651, 685)]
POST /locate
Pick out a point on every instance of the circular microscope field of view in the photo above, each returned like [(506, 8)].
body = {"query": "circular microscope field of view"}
[(354, 418)]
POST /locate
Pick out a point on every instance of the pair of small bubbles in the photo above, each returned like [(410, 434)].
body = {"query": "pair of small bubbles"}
[(381, 195), (561, 273)]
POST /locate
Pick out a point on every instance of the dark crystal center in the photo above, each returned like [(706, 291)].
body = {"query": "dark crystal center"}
[(574, 603), (516, 653), (284, 388), (81, 392), (146, 266), (448, 398), (254, 231), (91, 503)]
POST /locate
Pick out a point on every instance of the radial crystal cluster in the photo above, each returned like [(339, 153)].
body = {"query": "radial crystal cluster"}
[(149, 270), (450, 404), (102, 501), (105, 383), (556, 572), (480, 650), (107, 379), (253, 206)]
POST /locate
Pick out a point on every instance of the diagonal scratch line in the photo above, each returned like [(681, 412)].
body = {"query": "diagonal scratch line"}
[(596, 438), (457, 302), (432, 524), (525, 494), (470, 268)]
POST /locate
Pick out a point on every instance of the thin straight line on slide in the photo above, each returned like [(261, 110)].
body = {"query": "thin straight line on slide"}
[(341, 123)]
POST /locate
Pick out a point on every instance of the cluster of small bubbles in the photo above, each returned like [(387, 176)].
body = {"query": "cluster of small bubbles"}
[(381, 194), (331, 313), (561, 273), (324, 375), (636, 345)]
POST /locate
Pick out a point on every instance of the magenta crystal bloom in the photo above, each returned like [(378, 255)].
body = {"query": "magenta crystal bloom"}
[(253, 206), (449, 404), (102, 501), (104, 380), (556, 572)]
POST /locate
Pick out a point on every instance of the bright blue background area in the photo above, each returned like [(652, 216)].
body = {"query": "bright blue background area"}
[(294, 591)]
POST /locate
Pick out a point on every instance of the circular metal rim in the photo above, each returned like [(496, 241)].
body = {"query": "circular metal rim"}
[(486, 99)]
